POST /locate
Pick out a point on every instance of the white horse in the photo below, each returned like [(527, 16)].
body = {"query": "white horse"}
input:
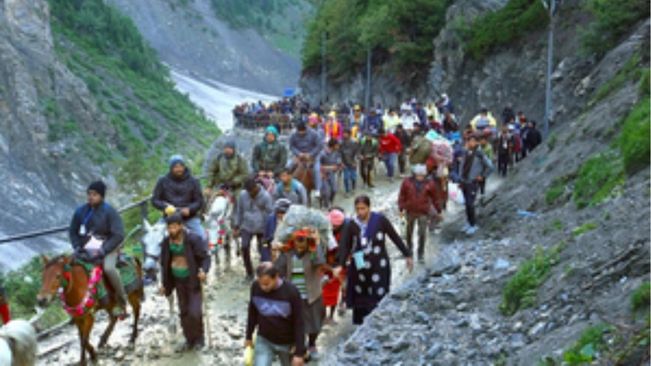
[(151, 240), (18, 344), (217, 221)]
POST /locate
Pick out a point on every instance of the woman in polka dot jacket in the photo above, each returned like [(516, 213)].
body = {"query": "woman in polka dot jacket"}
[(369, 271)]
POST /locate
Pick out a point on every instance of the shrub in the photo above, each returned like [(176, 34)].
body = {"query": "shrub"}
[(630, 71), (580, 230), (634, 139), (586, 347), (504, 26), (641, 297), (521, 290), (598, 178), (612, 20)]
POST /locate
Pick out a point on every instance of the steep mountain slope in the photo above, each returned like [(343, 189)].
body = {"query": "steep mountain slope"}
[(81, 97), (224, 41)]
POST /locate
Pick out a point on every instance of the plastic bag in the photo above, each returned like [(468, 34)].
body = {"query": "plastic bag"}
[(455, 194), (248, 356), (442, 152)]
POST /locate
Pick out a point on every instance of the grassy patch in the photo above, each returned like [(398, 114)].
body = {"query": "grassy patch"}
[(580, 230), (598, 179), (586, 347), (521, 290), (551, 141), (641, 297), (557, 189), (634, 139), (630, 71), (504, 26), (612, 20)]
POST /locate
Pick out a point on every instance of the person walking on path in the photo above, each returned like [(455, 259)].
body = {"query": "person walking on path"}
[(302, 265), (405, 142), (368, 152), (475, 167), (390, 147), (349, 150), (417, 195), (185, 261), (253, 207), (275, 310), (369, 274)]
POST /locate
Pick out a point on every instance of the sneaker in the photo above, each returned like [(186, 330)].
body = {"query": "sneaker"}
[(472, 230), (317, 194)]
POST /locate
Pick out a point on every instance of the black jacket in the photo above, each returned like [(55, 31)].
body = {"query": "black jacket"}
[(184, 192), (104, 222), (196, 254)]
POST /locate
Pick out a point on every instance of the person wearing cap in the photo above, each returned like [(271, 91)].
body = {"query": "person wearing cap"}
[(269, 156), (417, 195), (445, 104), (229, 169), (179, 191), (474, 167), (98, 220), (253, 207), (281, 206), (306, 145), (184, 262)]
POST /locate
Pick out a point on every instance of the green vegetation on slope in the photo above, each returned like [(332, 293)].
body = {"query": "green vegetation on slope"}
[(587, 346), (398, 31), (280, 21), (521, 290), (612, 20), (504, 26)]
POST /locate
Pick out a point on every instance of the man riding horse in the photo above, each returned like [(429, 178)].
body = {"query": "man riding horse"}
[(98, 222), (306, 145), (180, 191), (269, 156), (228, 170)]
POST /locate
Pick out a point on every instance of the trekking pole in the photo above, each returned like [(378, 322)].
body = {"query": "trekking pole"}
[(205, 314)]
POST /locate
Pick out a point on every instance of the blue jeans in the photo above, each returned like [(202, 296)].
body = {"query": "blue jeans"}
[(265, 352), (194, 226), (350, 178), (390, 163)]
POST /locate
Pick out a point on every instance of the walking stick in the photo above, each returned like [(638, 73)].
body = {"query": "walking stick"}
[(205, 314)]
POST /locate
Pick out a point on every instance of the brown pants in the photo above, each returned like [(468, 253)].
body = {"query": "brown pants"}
[(190, 312)]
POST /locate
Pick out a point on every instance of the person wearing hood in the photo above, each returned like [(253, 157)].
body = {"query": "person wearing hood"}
[(179, 191), (228, 169), (269, 156), (97, 220), (417, 195), (253, 207)]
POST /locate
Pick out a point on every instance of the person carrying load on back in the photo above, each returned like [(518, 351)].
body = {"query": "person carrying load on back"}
[(269, 157), (421, 148), (306, 145), (96, 232), (281, 206), (228, 170), (179, 191)]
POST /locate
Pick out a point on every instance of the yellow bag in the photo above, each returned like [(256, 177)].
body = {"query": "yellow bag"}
[(248, 356)]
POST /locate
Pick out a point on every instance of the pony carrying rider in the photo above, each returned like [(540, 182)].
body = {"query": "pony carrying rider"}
[(96, 233)]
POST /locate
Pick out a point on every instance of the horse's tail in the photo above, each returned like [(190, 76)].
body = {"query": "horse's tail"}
[(22, 337)]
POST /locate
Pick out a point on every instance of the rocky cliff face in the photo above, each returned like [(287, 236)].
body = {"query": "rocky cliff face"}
[(38, 187), (190, 38)]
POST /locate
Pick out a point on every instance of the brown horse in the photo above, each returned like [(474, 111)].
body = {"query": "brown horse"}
[(304, 174), (74, 292)]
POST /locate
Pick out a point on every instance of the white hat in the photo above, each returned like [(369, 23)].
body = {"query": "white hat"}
[(419, 169)]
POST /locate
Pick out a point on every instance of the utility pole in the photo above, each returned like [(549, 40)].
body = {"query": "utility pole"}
[(551, 6), (324, 69), (367, 93)]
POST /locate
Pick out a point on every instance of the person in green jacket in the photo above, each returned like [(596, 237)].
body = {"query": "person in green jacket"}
[(269, 156), (229, 169)]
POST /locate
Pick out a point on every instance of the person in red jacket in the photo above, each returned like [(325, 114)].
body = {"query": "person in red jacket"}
[(4, 306), (390, 147), (417, 195)]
